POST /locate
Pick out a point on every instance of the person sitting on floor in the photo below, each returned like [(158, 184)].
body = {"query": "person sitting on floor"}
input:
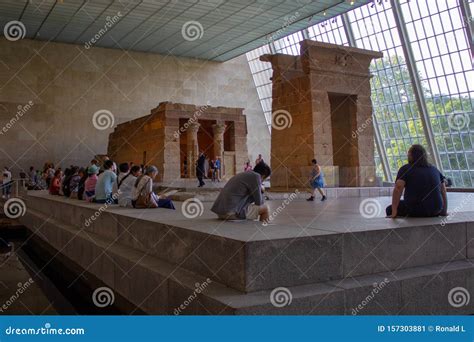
[(424, 185), (90, 183), (105, 184), (242, 197), (143, 195), (55, 184), (125, 184), (123, 172), (74, 182), (81, 187)]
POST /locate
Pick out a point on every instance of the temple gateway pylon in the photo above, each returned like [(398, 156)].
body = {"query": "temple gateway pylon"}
[(322, 109)]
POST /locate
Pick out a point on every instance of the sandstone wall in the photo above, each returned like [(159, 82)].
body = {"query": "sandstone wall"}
[(67, 84)]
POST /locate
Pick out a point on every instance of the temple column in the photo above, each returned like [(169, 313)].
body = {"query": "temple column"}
[(192, 148), (218, 131)]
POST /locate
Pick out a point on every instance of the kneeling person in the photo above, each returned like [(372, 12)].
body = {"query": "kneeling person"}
[(242, 196)]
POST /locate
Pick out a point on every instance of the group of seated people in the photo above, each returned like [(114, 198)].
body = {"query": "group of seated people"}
[(131, 186), (242, 197)]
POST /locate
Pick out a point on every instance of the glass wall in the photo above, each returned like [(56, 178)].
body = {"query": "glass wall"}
[(443, 59), (437, 37)]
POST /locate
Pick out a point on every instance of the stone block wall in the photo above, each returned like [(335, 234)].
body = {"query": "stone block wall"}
[(159, 134), (68, 84), (324, 95)]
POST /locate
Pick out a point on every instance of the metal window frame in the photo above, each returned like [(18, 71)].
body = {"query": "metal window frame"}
[(416, 82)]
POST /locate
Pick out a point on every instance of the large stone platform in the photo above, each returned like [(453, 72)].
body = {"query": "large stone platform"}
[(327, 255)]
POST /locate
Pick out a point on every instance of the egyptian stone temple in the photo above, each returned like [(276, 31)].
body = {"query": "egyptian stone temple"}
[(173, 134), (322, 109)]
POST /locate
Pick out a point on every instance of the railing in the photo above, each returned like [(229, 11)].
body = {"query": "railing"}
[(18, 187)]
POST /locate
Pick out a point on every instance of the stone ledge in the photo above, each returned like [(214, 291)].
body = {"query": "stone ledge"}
[(158, 287)]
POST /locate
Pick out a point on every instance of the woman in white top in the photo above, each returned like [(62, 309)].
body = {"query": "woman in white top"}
[(125, 185), (143, 195)]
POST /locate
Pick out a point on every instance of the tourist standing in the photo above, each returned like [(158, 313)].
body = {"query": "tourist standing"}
[(218, 165), (316, 181), (6, 183), (200, 167), (247, 167), (258, 160), (32, 177), (422, 185), (212, 166)]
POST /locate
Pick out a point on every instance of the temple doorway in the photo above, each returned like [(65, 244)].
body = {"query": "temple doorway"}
[(345, 149)]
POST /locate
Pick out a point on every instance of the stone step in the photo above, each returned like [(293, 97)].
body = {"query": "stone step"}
[(249, 257), (158, 287)]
